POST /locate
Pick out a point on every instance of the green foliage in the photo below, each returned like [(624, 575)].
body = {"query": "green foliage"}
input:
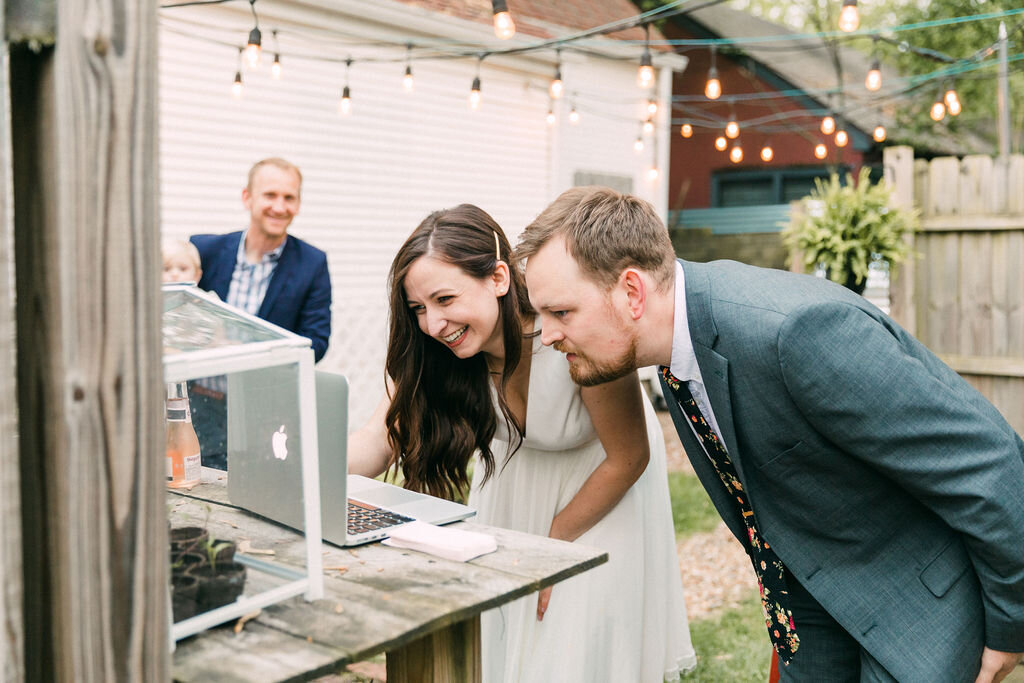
[(692, 510), (732, 646), (845, 226), (213, 548)]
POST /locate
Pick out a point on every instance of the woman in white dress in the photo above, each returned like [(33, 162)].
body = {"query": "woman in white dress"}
[(468, 380)]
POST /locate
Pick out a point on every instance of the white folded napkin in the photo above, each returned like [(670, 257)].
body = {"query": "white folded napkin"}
[(451, 544)]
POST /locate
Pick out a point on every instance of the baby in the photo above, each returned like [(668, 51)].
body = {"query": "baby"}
[(181, 261)]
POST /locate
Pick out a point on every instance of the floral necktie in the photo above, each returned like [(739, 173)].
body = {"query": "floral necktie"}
[(770, 572)]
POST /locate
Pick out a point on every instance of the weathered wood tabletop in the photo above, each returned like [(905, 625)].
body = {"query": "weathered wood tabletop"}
[(424, 611)]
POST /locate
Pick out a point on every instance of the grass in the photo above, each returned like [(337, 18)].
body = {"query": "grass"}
[(731, 646), (692, 510)]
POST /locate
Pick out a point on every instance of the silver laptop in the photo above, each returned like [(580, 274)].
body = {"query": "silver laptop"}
[(265, 468)]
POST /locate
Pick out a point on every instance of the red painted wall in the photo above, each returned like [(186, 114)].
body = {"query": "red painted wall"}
[(693, 160)]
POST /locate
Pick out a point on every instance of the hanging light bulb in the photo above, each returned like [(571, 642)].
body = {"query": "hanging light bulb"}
[(252, 48), (732, 129), (550, 118), (652, 106), (873, 82), (721, 143), (638, 144), (648, 127), (713, 87), (938, 110), (842, 138), (736, 153), (236, 86), (645, 74), (504, 27), (820, 150), (345, 104), (407, 80), (954, 108), (828, 124), (474, 94), (849, 18), (952, 100), (275, 68), (767, 153), (879, 133), (686, 130), (557, 87), (652, 173), (574, 116)]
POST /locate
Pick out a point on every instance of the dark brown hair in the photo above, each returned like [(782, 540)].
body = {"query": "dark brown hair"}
[(441, 410), (606, 232)]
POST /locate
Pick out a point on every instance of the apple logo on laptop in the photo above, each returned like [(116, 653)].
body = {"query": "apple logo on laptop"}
[(278, 442)]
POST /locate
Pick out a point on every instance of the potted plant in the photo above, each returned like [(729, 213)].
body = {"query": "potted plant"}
[(843, 227), (204, 574)]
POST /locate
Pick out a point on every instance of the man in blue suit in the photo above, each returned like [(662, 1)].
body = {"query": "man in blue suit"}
[(268, 273), (876, 492)]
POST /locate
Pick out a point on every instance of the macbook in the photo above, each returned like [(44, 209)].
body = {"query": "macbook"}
[(265, 464)]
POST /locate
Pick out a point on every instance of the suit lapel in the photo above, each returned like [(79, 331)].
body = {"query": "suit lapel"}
[(224, 267), (279, 279)]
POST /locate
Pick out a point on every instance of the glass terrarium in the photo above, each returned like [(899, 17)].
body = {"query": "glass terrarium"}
[(260, 378)]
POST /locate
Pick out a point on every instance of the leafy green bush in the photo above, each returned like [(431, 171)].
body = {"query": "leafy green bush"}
[(843, 227)]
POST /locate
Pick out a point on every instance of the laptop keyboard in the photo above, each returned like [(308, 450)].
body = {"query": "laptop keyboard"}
[(363, 517)]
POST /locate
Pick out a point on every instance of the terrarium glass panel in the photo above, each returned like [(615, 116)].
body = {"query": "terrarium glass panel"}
[(192, 321)]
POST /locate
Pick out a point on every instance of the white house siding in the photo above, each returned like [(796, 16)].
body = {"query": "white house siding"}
[(371, 177)]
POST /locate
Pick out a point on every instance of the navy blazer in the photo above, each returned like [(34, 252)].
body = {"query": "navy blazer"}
[(889, 487), (299, 294)]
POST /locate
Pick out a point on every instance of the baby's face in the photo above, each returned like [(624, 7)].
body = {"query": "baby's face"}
[(178, 268)]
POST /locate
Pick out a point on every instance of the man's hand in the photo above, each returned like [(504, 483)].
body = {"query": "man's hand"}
[(996, 665)]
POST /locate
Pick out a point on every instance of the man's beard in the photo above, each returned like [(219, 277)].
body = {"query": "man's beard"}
[(588, 373)]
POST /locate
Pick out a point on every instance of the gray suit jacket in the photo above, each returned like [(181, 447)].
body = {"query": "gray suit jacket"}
[(890, 488)]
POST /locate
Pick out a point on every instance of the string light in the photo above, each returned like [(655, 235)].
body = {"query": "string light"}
[(645, 74), (252, 48), (550, 118), (721, 143), (652, 106), (686, 130), (557, 88), (275, 68), (648, 126), (652, 173), (504, 27), (407, 81), (873, 82), (236, 87), (713, 87), (474, 91), (732, 129), (820, 150), (828, 124), (879, 133), (938, 110), (849, 18), (952, 100), (345, 105), (767, 153), (574, 116), (638, 144), (736, 153), (842, 138)]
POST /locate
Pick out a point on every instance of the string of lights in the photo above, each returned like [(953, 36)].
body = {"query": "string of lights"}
[(945, 101)]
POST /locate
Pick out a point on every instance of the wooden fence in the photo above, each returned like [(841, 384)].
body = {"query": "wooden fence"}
[(964, 296)]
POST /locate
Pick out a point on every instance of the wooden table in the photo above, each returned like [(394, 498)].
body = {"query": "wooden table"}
[(422, 610)]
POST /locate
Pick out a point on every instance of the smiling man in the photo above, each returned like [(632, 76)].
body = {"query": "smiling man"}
[(876, 492), (266, 272)]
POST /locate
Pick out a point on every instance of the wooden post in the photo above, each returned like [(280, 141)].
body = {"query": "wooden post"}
[(898, 163), (89, 372), (12, 644), (451, 654)]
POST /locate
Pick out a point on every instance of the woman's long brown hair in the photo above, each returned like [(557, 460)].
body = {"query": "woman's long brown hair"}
[(441, 411)]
